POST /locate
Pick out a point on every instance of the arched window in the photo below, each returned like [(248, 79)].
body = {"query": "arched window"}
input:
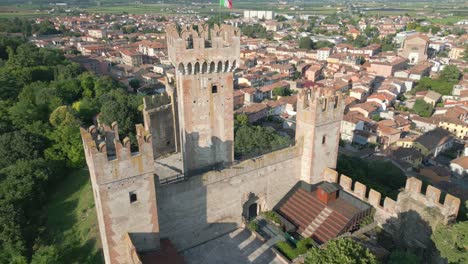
[(220, 67), (197, 68), (204, 67), (234, 65), (226, 66), (181, 68), (212, 66), (189, 68)]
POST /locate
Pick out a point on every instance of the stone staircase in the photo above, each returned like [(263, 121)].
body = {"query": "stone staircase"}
[(312, 227)]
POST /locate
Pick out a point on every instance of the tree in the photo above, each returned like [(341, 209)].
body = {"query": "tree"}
[(134, 83), (371, 32), (23, 188), (306, 43), (18, 145), (382, 176), (452, 242), (399, 257), (343, 251), (281, 91), (66, 136), (422, 108), (46, 255), (255, 140), (360, 41), (280, 18), (450, 73)]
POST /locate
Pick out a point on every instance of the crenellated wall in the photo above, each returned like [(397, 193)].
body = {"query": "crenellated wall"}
[(203, 50), (124, 190), (410, 198)]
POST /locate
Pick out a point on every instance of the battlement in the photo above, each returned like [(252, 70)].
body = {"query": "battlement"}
[(200, 50), (390, 208), (111, 159), (201, 36), (324, 103), (155, 101)]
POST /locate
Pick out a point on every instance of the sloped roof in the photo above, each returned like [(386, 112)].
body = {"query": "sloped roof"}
[(302, 207)]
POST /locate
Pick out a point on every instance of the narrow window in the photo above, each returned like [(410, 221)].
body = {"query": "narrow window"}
[(133, 197), (324, 139), (214, 89)]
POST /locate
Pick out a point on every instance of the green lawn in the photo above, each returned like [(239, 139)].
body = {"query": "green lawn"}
[(71, 220), (447, 20)]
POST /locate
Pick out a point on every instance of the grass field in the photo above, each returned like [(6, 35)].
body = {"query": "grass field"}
[(71, 220), (448, 20)]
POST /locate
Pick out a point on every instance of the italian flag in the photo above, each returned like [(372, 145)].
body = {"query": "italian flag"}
[(226, 3)]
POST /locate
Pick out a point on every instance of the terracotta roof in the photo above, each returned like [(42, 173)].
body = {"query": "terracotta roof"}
[(303, 207), (462, 162)]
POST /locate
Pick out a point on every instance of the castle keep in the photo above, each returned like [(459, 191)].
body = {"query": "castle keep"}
[(183, 183)]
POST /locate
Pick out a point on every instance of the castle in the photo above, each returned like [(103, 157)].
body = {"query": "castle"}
[(183, 183)]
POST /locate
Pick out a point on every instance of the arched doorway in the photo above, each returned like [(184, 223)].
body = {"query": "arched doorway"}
[(253, 210), (250, 207)]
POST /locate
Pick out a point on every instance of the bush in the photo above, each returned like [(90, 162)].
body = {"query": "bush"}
[(253, 226), (368, 219), (292, 252), (343, 250), (272, 216), (422, 108)]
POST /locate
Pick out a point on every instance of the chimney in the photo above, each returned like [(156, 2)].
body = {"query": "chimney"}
[(327, 192)]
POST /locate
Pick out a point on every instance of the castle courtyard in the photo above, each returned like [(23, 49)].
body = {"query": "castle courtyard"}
[(239, 246)]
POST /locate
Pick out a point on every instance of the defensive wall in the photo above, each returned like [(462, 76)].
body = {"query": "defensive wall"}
[(211, 204), (123, 189), (409, 199)]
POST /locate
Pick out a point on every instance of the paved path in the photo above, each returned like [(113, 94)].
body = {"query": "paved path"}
[(237, 247)]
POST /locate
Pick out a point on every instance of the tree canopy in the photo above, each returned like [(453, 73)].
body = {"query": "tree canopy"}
[(382, 176), (343, 251), (452, 242), (255, 140), (44, 99)]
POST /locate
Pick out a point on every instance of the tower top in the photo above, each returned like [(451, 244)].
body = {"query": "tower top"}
[(324, 103), (199, 43)]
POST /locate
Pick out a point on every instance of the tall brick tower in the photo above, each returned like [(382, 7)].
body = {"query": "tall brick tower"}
[(319, 115), (204, 60), (124, 191)]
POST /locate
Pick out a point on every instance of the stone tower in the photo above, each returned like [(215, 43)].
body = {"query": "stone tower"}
[(319, 115), (124, 190), (204, 60), (160, 117)]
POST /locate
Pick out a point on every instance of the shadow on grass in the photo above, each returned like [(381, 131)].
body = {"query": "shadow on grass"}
[(71, 220)]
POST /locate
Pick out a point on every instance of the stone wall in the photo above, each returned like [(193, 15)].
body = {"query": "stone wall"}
[(410, 199), (211, 204), (124, 191), (159, 117)]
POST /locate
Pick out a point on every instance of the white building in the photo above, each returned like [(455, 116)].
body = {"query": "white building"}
[(323, 53), (459, 167), (258, 14)]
